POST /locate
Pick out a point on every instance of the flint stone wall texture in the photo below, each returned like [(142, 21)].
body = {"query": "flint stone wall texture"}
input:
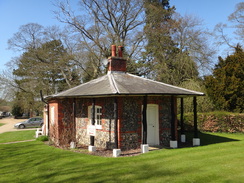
[(130, 122), (72, 124), (104, 137), (165, 121)]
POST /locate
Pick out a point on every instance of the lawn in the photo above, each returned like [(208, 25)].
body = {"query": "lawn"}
[(220, 159), (1, 124), (17, 136)]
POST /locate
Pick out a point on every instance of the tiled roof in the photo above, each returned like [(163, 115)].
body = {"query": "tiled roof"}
[(121, 83)]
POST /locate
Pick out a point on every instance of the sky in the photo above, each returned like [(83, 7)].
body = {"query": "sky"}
[(14, 13)]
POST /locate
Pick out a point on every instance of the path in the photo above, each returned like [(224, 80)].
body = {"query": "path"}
[(9, 125)]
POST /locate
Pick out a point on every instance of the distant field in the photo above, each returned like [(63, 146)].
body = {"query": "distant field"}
[(220, 159)]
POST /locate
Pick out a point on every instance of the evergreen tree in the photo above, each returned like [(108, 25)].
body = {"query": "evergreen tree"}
[(162, 59), (226, 85), (48, 68)]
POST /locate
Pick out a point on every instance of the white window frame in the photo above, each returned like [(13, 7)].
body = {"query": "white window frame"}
[(52, 116), (98, 116)]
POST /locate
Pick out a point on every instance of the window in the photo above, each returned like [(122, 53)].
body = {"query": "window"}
[(52, 116), (98, 116)]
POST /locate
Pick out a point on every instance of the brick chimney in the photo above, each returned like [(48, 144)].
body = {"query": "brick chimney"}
[(116, 61)]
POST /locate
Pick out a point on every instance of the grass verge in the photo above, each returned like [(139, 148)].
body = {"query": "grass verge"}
[(17, 136), (217, 161)]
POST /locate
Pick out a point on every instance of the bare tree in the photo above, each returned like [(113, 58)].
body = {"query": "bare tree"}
[(191, 37), (236, 25), (102, 23), (237, 17), (7, 85), (28, 36)]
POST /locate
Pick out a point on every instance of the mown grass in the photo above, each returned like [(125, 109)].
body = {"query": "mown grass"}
[(17, 136), (1, 124), (217, 161)]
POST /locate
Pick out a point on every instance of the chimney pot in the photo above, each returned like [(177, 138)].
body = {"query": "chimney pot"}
[(116, 63), (120, 50), (113, 48)]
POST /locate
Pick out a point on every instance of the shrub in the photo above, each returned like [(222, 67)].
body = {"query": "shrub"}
[(42, 138), (217, 121)]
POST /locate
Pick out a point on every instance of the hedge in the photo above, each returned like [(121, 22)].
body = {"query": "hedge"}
[(216, 122)]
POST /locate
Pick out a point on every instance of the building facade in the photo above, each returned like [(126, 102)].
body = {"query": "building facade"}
[(118, 110)]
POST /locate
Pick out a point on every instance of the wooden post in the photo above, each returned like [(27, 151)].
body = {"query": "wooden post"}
[(116, 122), (182, 129), (173, 138), (92, 138), (74, 115), (144, 120), (48, 120), (195, 117)]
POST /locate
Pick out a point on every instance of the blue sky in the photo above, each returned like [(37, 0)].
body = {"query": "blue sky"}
[(14, 13)]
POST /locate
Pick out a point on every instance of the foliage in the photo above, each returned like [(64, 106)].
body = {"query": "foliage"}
[(217, 121), (5, 108), (17, 111), (160, 51), (226, 85), (159, 44), (3, 102), (177, 48), (194, 43), (217, 161), (204, 104), (48, 68), (5, 105), (42, 138)]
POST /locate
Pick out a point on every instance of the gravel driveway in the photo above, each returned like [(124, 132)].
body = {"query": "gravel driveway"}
[(9, 125)]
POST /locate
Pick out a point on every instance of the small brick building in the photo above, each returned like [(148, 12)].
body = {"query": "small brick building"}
[(118, 110)]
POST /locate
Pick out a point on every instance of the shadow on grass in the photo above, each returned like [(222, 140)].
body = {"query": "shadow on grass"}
[(208, 139)]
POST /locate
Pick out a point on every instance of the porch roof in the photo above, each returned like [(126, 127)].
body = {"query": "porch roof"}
[(121, 83)]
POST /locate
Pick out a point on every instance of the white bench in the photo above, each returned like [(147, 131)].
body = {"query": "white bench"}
[(39, 131)]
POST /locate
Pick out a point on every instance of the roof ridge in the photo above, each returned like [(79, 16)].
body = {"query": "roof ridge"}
[(113, 83)]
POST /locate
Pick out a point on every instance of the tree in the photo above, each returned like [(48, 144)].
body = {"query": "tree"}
[(236, 23), (191, 37), (48, 68), (204, 103), (160, 47), (237, 17), (226, 85), (166, 58), (29, 36), (46, 63), (100, 24), (7, 85)]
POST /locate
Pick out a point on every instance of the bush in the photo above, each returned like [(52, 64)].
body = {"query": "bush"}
[(42, 138), (17, 111), (218, 121)]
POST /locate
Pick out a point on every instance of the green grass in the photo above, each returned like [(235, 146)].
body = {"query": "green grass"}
[(1, 124), (219, 160), (17, 136)]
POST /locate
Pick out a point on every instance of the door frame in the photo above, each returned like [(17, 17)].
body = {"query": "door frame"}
[(156, 131)]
